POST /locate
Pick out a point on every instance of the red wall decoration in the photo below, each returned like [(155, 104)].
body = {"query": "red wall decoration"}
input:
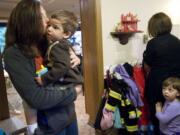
[(128, 23)]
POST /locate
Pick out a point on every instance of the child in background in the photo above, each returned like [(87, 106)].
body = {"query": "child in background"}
[(62, 26), (169, 114)]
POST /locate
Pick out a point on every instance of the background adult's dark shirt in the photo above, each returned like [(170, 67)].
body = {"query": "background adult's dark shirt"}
[(162, 54)]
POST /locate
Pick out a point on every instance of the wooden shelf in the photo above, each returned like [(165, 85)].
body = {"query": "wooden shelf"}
[(124, 36)]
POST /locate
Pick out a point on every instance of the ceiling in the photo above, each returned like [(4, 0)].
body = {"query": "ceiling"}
[(6, 6)]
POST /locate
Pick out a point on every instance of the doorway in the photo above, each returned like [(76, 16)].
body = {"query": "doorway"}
[(92, 55)]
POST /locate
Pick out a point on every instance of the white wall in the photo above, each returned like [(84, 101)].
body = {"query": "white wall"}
[(111, 10)]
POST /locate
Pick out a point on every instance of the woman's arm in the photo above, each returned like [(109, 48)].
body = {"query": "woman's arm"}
[(146, 69), (149, 54), (22, 73), (148, 58)]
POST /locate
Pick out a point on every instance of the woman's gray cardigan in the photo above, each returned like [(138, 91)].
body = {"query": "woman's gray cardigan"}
[(57, 105)]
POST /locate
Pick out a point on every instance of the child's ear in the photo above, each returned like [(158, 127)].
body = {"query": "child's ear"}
[(67, 35)]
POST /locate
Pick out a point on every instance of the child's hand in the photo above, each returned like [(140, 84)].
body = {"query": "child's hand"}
[(158, 107), (39, 80)]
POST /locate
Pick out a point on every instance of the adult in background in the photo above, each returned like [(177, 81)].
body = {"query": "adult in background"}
[(161, 57), (25, 40)]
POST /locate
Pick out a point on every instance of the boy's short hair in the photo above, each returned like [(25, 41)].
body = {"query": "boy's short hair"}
[(174, 82), (68, 19)]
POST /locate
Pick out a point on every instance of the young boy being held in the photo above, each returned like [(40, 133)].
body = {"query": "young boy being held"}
[(169, 114), (62, 26)]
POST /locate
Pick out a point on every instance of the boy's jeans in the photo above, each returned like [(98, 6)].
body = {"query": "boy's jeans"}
[(72, 129)]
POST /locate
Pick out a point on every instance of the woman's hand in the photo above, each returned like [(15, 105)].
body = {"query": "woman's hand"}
[(75, 60)]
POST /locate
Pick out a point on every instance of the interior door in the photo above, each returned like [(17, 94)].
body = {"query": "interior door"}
[(92, 55), (4, 110)]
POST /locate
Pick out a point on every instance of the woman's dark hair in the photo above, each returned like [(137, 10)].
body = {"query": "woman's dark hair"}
[(174, 82), (25, 26), (159, 24)]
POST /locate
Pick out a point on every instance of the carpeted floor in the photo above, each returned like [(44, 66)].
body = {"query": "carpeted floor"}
[(16, 109)]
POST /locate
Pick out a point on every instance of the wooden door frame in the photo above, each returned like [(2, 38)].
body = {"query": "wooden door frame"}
[(92, 54), (4, 109)]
